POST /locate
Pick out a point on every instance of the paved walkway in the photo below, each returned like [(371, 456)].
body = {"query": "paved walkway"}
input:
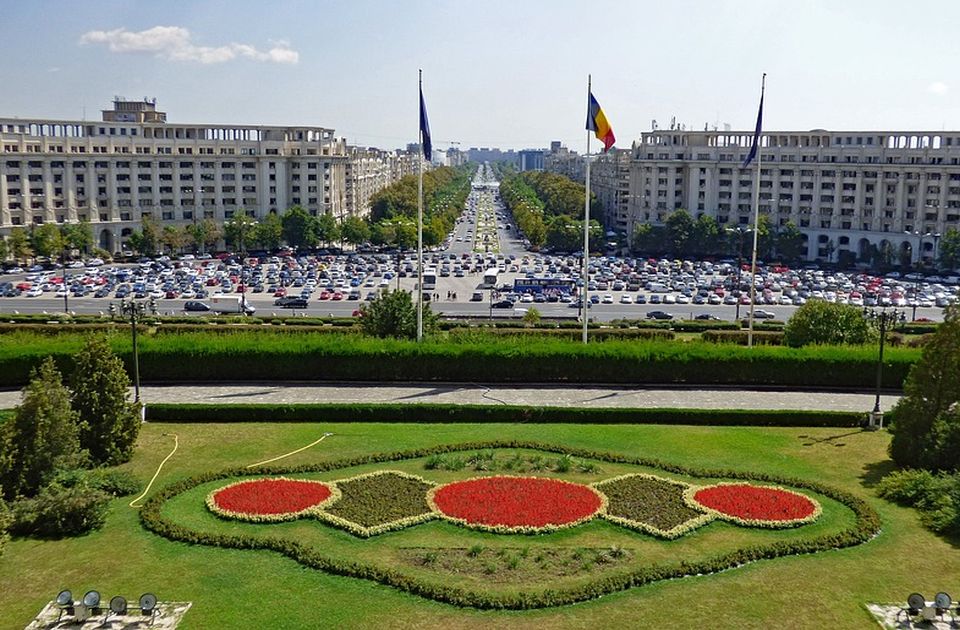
[(476, 394)]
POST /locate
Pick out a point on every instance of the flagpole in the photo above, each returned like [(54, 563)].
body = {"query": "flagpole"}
[(586, 228), (420, 218), (756, 222)]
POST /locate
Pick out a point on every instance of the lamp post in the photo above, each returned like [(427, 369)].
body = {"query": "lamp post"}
[(881, 319), (740, 231), (135, 311)]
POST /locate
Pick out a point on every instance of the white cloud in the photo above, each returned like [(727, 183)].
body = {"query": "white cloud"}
[(937, 87), (175, 43)]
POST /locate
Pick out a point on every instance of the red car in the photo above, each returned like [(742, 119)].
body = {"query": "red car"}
[(280, 292), (325, 295), (337, 296)]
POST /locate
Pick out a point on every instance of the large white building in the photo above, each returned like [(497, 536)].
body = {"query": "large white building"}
[(845, 190), (135, 164)]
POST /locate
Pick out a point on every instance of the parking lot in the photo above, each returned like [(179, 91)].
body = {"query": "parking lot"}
[(474, 274)]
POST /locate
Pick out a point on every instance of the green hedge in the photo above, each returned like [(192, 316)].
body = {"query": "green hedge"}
[(742, 337), (450, 413), (866, 525), (264, 355)]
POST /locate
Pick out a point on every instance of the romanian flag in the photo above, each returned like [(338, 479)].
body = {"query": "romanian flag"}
[(597, 123)]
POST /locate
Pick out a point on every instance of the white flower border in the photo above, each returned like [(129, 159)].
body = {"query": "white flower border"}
[(366, 532), (519, 529), (270, 518), (689, 493), (674, 532)]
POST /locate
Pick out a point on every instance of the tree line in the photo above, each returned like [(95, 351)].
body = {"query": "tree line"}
[(548, 209)]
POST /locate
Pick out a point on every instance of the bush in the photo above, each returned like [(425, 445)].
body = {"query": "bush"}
[(394, 314), (117, 483), (109, 422), (6, 520), (42, 438), (820, 322), (59, 511), (741, 337), (937, 497), (926, 421)]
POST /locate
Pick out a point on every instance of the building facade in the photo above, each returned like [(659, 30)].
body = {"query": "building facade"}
[(847, 191), (134, 164), (610, 182), (370, 170)]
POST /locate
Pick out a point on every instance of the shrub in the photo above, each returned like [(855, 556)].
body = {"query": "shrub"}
[(6, 519), (908, 487), (820, 322), (100, 386), (937, 497), (117, 483), (926, 421), (58, 511), (42, 437), (394, 314)]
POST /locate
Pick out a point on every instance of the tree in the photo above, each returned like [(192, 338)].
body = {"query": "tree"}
[(4, 250), (949, 250), (789, 242), (821, 322), (355, 230), (679, 230), (327, 229), (6, 519), (647, 239), (926, 421), (42, 438), (299, 228), (239, 230), (99, 388), (269, 232), (394, 314), (19, 244), (531, 317), (47, 240), (147, 239), (78, 236), (705, 237), (173, 237)]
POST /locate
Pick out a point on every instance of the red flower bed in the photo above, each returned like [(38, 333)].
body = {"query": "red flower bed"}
[(756, 503), (267, 497), (516, 502)]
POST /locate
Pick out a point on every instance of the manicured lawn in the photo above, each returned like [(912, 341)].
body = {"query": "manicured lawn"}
[(263, 589)]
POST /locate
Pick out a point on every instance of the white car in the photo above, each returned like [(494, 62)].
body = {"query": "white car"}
[(626, 299), (607, 299), (34, 292)]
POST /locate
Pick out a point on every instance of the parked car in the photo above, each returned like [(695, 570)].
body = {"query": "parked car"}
[(762, 314), (707, 317), (194, 306), (659, 315), (503, 304), (294, 302)]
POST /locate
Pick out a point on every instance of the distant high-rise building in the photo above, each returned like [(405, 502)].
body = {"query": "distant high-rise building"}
[(531, 160)]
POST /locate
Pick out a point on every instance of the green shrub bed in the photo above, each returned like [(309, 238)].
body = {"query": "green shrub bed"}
[(865, 526), (373, 503), (264, 355), (650, 504), (451, 413)]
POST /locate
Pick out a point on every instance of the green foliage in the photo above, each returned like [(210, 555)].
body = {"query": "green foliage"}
[(300, 228), (949, 249), (147, 239), (936, 497), (327, 229), (269, 232), (6, 520), (99, 391), (394, 314), (117, 483), (78, 236), (926, 421), (238, 230), (204, 233), (47, 240), (465, 414), (59, 511), (531, 317), (820, 322), (18, 243), (41, 438), (526, 208), (355, 230)]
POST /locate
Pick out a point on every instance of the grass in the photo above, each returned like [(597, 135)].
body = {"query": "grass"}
[(260, 589)]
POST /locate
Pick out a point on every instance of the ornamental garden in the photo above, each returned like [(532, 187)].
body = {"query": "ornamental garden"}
[(585, 524)]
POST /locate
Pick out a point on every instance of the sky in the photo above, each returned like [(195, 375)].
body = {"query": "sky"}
[(496, 73)]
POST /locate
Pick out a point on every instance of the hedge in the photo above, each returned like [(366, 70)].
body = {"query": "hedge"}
[(265, 355), (451, 413), (742, 337), (865, 527)]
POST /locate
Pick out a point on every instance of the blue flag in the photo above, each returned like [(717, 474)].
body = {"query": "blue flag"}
[(424, 129), (756, 136)]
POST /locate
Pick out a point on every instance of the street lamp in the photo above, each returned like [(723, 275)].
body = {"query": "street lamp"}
[(135, 311), (740, 231), (881, 319)]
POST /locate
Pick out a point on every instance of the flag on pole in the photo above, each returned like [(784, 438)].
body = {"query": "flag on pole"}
[(597, 123), (424, 129), (756, 135)]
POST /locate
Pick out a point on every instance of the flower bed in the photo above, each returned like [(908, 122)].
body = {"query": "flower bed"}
[(753, 505), (269, 500), (516, 504), (650, 504), (379, 501)]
